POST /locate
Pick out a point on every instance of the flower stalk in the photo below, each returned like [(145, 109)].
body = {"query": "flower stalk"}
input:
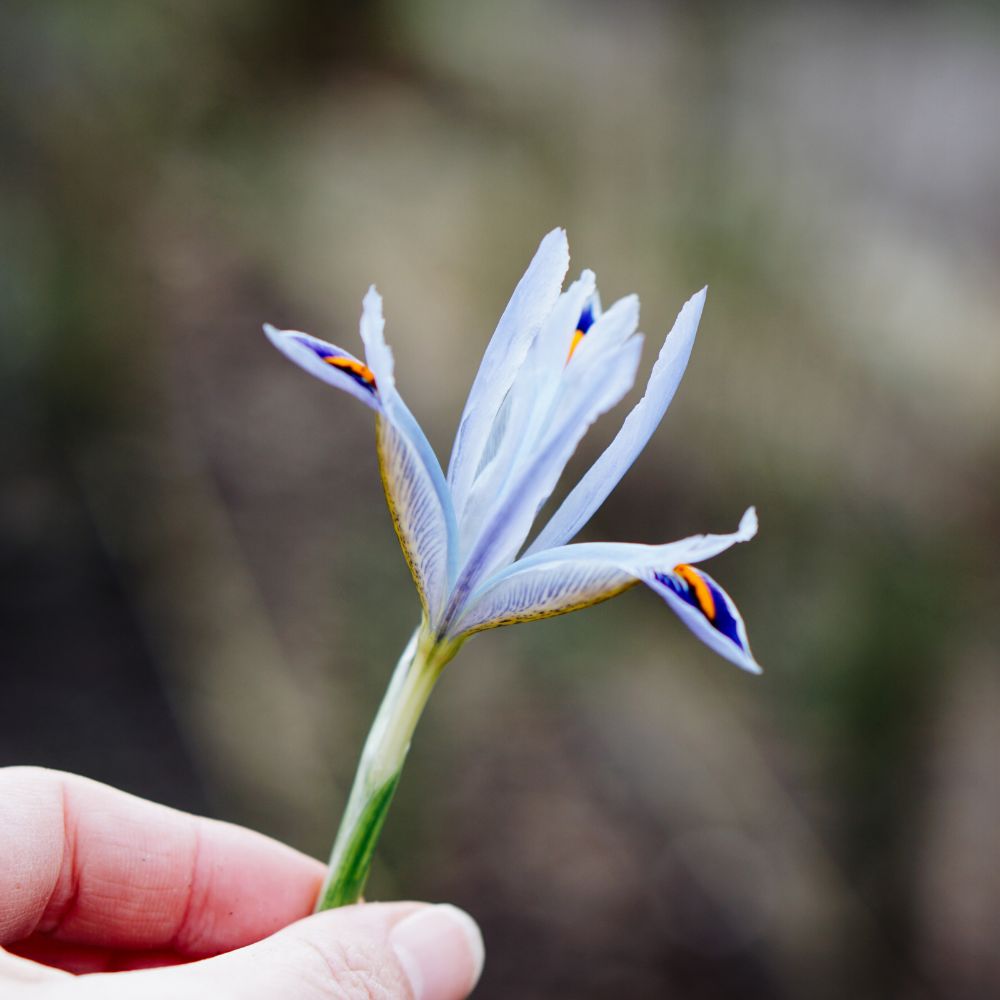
[(381, 763)]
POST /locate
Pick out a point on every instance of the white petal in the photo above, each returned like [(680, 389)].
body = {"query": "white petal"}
[(605, 474), (531, 302)]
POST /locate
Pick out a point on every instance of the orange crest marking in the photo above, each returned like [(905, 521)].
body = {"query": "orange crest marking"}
[(702, 591), (577, 337), (363, 372)]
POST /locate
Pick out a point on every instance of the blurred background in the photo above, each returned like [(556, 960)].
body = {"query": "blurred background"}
[(201, 595)]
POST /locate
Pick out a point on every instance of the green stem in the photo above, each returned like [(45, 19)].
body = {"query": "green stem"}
[(380, 766)]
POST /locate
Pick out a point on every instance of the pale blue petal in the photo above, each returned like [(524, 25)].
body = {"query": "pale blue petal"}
[(377, 352), (542, 591), (546, 375), (602, 477), (526, 412), (308, 352), (418, 514), (411, 474), (414, 482), (576, 576), (534, 480), (554, 383), (422, 510), (533, 299), (636, 558)]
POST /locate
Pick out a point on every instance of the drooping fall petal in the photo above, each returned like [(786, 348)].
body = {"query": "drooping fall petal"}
[(576, 576)]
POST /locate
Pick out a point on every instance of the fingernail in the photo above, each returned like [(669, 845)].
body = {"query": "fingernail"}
[(441, 951)]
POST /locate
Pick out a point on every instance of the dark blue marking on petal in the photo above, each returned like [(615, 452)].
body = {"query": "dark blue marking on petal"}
[(723, 620), (586, 320)]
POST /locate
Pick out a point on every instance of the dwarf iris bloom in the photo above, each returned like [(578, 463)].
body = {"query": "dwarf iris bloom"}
[(556, 362)]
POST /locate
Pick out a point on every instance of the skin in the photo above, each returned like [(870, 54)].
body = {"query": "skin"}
[(106, 895)]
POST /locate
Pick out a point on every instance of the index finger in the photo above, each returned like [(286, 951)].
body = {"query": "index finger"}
[(87, 863)]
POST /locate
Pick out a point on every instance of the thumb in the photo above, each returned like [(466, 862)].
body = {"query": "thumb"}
[(389, 951)]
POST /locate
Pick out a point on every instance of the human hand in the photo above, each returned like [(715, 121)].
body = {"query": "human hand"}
[(148, 903)]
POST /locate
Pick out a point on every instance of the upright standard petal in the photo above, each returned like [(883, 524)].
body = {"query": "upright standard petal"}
[(527, 411), (576, 576), (377, 352), (531, 302), (605, 474), (535, 479)]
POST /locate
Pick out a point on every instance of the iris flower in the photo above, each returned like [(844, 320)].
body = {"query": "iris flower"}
[(556, 363)]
